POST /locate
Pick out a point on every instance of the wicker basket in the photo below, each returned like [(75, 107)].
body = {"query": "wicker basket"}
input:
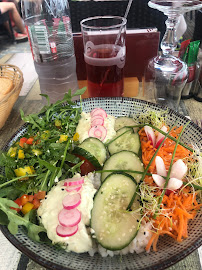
[(6, 104)]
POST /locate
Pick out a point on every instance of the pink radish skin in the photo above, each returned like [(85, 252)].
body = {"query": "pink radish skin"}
[(160, 136), (159, 180), (74, 188), (71, 182), (174, 184), (71, 201), (160, 166), (93, 111), (179, 169), (150, 135), (66, 231), (69, 218), (99, 132), (97, 120), (98, 111)]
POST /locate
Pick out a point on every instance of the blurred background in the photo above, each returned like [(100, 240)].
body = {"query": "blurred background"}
[(140, 16)]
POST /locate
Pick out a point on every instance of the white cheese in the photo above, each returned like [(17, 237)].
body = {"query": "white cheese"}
[(85, 124), (52, 205)]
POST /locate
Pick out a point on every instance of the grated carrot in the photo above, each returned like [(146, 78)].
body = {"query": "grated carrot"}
[(177, 208)]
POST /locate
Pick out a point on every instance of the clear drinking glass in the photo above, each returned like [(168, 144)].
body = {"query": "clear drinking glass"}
[(166, 75), (104, 54)]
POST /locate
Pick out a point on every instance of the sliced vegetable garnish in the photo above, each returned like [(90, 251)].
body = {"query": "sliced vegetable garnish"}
[(97, 120), (160, 136), (98, 111), (74, 188), (72, 182), (160, 166), (69, 218), (98, 132), (150, 135), (66, 231), (178, 170), (71, 201)]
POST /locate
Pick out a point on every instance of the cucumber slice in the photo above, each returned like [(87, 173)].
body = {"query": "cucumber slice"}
[(113, 226), (124, 160), (128, 141), (123, 122), (87, 155), (96, 148)]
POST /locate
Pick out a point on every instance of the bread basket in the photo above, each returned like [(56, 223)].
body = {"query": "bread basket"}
[(14, 74)]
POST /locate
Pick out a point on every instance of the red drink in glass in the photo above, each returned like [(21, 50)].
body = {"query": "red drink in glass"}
[(104, 54), (104, 64)]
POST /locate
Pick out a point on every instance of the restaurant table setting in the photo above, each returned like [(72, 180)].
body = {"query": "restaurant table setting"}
[(124, 75)]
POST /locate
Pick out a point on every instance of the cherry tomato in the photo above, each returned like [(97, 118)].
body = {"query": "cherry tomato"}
[(86, 167)]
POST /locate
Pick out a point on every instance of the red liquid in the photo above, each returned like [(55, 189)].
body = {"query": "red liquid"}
[(104, 80)]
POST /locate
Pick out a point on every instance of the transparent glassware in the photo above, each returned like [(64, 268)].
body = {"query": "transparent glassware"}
[(166, 75)]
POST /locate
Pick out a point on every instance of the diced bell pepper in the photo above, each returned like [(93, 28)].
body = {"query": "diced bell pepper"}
[(22, 141), (37, 152), (63, 138), (30, 141), (58, 123), (24, 199), (45, 135), (36, 203), (18, 202), (21, 154), (24, 171), (27, 208), (12, 151), (40, 195), (76, 137)]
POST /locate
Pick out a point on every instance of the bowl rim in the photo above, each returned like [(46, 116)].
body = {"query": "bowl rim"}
[(161, 264)]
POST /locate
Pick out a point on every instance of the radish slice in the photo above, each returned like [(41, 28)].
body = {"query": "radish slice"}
[(74, 188), (160, 181), (174, 184), (71, 182), (66, 231), (97, 120), (150, 135), (179, 169), (98, 111), (99, 132), (160, 166), (71, 201), (160, 136), (69, 218)]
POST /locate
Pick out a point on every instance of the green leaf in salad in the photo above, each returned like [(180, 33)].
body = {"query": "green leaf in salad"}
[(14, 220)]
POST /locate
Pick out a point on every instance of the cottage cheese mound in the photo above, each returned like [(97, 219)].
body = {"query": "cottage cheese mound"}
[(52, 205)]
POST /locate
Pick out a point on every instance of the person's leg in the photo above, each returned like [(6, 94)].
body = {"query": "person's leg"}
[(7, 6)]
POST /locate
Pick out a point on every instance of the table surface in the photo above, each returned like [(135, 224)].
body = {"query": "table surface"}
[(30, 102)]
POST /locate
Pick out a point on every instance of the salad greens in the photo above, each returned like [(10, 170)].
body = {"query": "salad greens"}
[(36, 161)]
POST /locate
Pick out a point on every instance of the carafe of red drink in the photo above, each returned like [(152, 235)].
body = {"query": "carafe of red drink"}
[(50, 35)]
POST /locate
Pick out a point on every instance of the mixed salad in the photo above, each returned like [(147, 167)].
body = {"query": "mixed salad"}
[(89, 180)]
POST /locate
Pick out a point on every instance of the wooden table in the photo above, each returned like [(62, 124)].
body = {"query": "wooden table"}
[(31, 102)]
